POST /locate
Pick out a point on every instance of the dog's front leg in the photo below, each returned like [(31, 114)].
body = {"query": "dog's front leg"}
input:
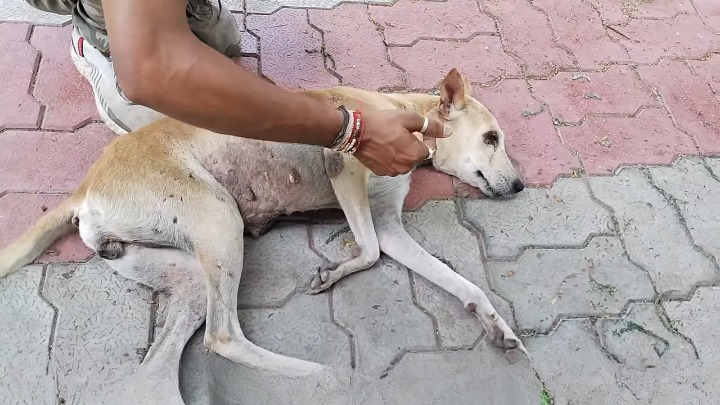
[(398, 244), (349, 179)]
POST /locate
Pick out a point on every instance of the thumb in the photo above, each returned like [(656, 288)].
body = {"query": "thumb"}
[(435, 129)]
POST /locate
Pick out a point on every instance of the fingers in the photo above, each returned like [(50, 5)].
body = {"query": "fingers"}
[(415, 122)]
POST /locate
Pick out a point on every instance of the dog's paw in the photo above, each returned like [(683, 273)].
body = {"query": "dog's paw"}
[(322, 279), (499, 333)]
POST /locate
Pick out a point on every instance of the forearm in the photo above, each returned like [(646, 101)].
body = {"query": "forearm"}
[(161, 64), (198, 85)]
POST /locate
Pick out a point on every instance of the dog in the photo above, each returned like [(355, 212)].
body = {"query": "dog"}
[(168, 206)]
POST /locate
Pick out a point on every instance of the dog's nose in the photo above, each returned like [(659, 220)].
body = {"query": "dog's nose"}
[(518, 185)]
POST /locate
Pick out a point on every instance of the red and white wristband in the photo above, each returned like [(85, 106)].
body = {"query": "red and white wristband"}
[(350, 135)]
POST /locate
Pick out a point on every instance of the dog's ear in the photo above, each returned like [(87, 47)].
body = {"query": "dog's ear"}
[(452, 93)]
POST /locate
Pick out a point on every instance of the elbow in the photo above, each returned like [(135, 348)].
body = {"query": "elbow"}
[(137, 81)]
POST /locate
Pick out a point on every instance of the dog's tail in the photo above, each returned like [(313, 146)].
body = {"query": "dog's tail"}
[(35, 240)]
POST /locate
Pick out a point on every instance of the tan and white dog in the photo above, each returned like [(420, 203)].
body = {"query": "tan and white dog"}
[(168, 206)]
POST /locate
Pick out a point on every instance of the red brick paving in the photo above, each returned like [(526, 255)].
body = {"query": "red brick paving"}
[(531, 138), (615, 91), (633, 54), (17, 63), (682, 37), (356, 47), (527, 33), (49, 161), (454, 19), (689, 99), (579, 28), (67, 97), (605, 143), (291, 49), (19, 211), (482, 59)]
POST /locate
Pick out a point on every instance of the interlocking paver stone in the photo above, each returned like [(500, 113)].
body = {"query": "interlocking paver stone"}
[(657, 365), (67, 96), (432, 226), (572, 96), (714, 164), (275, 265), (682, 37), (482, 373), (605, 143), (708, 70), (270, 6), (526, 31), (698, 197), (690, 100), (25, 325), (291, 49), (710, 11), (453, 19), (561, 216), (102, 325), (19, 211), (17, 61), (547, 284), (591, 45), (531, 138), (615, 11), (49, 161), (481, 59), (654, 236), (574, 368), (356, 47), (376, 306), (699, 320), (316, 338)]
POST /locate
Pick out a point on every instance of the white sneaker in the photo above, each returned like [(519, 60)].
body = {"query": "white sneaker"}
[(119, 113)]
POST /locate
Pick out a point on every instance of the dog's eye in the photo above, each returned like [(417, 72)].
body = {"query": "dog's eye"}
[(491, 138)]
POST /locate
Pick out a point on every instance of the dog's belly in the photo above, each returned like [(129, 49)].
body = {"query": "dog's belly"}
[(269, 179)]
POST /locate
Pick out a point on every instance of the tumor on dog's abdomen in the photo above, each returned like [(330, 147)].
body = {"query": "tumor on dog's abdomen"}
[(268, 180)]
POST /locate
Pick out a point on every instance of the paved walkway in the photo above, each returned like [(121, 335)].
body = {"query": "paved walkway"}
[(608, 265)]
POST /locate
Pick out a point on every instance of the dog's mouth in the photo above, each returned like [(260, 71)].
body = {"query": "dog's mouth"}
[(488, 189)]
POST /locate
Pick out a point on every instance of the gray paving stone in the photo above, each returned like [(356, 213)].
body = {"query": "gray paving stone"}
[(302, 328), (275, 264), (20, 10), (545, 284), (574, 368), (481, 376), (654, 236), (25, 331), (561, 216), (376, 305), (437, 229), (699, 319), (698, 197), (714, 164), (659, 367), (101, 329), (194, 371), (270, 6)]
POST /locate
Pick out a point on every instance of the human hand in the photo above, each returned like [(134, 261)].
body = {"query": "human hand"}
[(388, 146)]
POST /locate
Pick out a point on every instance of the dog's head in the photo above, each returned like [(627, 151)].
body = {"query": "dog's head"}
[(475, 152)]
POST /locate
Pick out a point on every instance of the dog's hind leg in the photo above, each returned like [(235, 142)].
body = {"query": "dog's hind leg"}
[(178, 273), (398, 244), (351, 189)]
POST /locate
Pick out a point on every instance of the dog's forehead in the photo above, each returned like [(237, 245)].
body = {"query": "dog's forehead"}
[(481, 116)]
